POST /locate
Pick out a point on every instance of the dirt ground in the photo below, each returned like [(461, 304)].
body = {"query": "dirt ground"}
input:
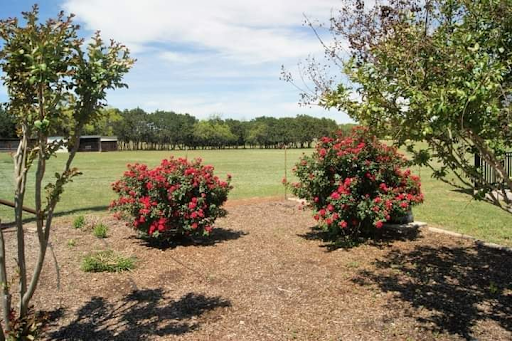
[(265, 274)]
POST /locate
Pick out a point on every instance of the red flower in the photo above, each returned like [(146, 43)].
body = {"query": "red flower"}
[(343, 224), (379, 224), (335, 196)]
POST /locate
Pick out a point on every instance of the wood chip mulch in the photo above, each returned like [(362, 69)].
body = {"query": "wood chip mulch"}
[(265, 274)]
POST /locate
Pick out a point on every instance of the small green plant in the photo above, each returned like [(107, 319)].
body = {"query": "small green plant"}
[(353, 264), (493, 288), (107, 261), (100, 231), (71, 243), (79, 222)]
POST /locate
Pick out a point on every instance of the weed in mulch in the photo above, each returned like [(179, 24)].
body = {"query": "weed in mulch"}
[(100, 231), (107, 261), (79, 222)]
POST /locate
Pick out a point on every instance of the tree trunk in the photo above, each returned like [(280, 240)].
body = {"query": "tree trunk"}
[(20, 170), (6, 296)]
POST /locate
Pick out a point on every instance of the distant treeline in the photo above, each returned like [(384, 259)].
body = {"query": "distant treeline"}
[(164, 130)]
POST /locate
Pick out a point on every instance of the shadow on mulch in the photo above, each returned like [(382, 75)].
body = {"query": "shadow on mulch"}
[(217, 236), (137, 316), (459, 286), (384, 237)]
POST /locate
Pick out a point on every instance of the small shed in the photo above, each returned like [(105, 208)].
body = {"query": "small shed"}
[(9, 144), (108, 144), (96, 143), (88, 143)]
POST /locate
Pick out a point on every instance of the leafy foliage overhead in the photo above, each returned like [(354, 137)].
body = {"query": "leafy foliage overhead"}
[(438, 71)]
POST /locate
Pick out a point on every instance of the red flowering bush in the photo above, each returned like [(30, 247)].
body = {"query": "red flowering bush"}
[(355, 184), (177, 197)]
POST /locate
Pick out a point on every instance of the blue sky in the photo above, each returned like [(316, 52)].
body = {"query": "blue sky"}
[(203, 57)]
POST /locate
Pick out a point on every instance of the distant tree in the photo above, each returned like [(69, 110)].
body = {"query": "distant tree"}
[(286, 130), (105, 124), (133, 127), (214, 133), (305, 130), (258, 133), (326, 127), (346, 128), (137, 129), (185, 131), (239, 129), (7, 124)]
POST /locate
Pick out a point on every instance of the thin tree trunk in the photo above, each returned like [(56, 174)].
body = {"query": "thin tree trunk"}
[(47, 227), (6, 296), (20, 169)]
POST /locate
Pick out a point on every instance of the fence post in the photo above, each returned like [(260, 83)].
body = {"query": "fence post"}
[(285, 174)]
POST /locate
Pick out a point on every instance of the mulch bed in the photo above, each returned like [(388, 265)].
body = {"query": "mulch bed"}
[(265, 274)]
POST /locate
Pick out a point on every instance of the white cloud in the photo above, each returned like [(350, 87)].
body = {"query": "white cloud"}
[(251, 31), (184, 58), (210, 56)]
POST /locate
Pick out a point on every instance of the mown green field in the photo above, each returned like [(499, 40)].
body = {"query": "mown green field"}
[(256, 173)]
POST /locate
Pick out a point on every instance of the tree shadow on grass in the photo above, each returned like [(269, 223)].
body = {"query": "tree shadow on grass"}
[(31, 218), (217, 236), (137, 316), (383, 238), (453, 288)]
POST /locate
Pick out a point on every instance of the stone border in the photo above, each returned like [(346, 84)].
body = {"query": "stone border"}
[(421, 225), (477, 241)]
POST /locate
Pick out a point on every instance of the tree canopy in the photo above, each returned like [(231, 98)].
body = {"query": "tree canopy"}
[(53, 81), (137, 129), (438, 71)]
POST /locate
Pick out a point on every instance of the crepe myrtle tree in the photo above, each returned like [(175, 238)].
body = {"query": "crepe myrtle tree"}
[(51, 79), (438, 71)]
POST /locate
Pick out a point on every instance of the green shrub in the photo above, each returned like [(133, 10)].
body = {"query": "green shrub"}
[(176, 198), (79, 222), (355, 184), (107, 261), (100, 231)]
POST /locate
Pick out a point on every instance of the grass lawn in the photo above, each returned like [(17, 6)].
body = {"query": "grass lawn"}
[(256, 173)]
